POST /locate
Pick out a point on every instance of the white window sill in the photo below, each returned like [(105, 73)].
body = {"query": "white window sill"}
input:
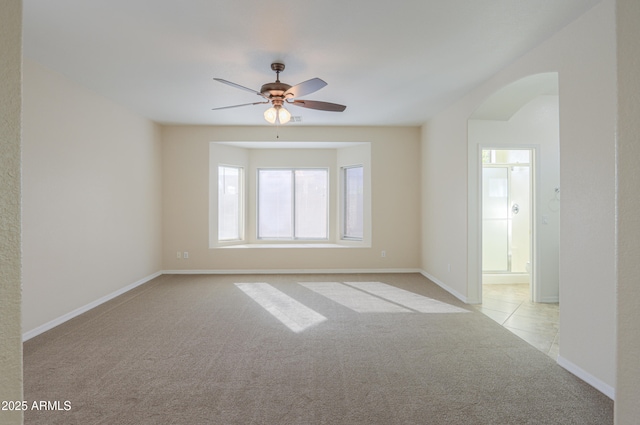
[(294, 245)]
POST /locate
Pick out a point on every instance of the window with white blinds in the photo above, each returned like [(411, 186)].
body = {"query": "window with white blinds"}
[(353, 202), (293, 203), (230, 208)]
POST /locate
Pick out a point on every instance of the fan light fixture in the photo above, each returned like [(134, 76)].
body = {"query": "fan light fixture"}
[(277, 114)]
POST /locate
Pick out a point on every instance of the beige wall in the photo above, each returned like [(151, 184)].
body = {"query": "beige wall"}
[(395, 201), (10, 258), (444, 196), (583, 53), (627, 408), (91, 197)]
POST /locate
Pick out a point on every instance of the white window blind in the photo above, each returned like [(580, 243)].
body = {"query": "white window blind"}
[(293, 203), (353, 203), (229, 203)]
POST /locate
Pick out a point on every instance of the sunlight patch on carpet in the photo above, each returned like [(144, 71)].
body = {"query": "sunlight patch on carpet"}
[(291, 313), (352, 298), (405, 298)]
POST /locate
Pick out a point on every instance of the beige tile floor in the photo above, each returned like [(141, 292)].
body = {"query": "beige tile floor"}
[(537, 323)]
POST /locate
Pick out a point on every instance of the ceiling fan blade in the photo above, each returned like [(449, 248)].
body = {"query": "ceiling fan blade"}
[(305, 88), (315, 104), (237, 106), (238, 86)]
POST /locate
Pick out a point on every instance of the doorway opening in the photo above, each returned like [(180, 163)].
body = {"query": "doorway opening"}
[(508, 256), (507, 211)]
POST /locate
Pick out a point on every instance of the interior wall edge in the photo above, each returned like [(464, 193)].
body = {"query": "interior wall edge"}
[(11, 382)]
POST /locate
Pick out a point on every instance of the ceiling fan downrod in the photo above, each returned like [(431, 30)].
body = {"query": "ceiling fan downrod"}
[(278, 68)]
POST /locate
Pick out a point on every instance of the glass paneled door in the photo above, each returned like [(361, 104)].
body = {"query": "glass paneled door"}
[(495, 219), (506, 211)]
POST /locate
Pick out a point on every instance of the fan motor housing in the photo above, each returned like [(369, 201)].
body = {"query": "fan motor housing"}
[(274, 89)]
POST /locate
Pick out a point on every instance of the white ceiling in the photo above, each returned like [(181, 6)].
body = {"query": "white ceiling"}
[(390, 62)]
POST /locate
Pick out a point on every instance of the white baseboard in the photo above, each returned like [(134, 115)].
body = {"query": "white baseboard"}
[(444, 286), (596, 383), (550, 300), (60, 320), (292, 271)]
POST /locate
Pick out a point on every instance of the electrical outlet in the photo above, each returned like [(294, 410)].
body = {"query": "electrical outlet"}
[(179, 255), (449, 267), (185, 255), (383, 254)]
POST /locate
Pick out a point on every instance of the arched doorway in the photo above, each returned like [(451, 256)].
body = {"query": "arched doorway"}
[(520, 118)]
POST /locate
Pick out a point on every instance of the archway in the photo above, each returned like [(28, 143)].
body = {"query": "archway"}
[(522, 116)]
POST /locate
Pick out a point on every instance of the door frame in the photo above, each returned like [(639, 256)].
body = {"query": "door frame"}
[(474, 218)]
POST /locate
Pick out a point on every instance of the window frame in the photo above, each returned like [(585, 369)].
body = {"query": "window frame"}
[(293, 236), (290, 155)]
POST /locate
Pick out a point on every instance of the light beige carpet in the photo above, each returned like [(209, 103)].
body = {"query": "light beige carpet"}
[(200, 350)]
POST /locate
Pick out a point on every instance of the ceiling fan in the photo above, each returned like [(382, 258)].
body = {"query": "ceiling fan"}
[(278, 93)]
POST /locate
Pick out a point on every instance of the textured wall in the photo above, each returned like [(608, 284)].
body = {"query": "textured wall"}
[(628, 203), (10, 105)]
